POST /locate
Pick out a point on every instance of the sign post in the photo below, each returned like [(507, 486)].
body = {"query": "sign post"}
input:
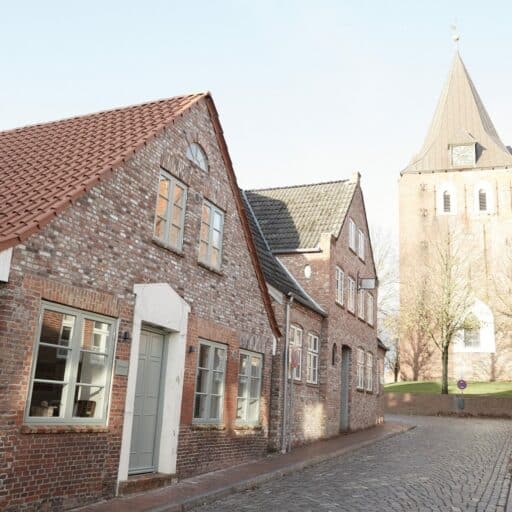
[(462, 385)]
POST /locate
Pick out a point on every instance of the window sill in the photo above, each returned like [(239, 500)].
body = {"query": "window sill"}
[(361, 390), (64, 429), (167, 247), (315, 385), (353, 251), (353, 313), (339, 304), (211, 269), (208, 426), (247, 427)]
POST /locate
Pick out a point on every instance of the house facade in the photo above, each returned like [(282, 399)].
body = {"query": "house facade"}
[(315, 247), (125, 355), (459, 185)]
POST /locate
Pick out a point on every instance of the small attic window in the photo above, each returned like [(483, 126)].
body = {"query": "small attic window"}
[(463, 155), (196, 154)]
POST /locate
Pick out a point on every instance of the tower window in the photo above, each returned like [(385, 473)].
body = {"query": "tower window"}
[(447, 202), (482, 200)]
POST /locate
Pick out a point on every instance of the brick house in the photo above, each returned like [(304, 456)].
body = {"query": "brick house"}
[(124, 350), (316, 255)]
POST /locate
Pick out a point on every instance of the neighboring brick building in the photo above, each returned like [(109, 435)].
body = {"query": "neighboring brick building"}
[(316, 256), (460, 183), (131, 341)]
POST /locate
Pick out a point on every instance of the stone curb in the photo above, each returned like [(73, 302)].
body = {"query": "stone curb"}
[(256, 481)]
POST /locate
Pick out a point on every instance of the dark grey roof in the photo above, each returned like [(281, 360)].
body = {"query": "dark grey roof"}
[(294, 218), (276, 274)]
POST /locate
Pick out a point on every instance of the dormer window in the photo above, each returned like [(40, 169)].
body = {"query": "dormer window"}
[(463, 155)]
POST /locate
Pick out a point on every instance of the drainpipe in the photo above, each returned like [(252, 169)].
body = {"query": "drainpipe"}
[(284, 426)]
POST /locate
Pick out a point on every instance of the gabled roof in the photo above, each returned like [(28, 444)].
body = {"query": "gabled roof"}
[(276, 274), (460, 118), (294, 218), (45, 167)]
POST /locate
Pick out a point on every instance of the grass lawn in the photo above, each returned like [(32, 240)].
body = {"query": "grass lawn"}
[(433, 388)]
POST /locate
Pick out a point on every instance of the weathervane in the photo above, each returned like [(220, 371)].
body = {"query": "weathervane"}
[(455, 36)]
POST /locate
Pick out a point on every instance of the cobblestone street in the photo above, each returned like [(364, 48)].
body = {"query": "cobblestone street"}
[(445, 464)]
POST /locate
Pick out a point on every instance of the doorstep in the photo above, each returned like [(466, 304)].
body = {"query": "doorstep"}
[(192, 492), (145, 482)]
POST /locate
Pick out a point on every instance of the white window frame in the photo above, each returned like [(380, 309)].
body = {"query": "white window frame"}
[(352, 237), (489, 197), (361, 304), (340, 286), (369, 371), (360, 369), (361, 244), (450, 189), (295, 343), (168, 217), (210, 375), (211, 229), (351, 300), (73, 350), (250, 378), (312, 359), (370, 313)]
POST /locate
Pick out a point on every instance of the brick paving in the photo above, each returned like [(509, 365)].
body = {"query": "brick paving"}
[(445, 464)]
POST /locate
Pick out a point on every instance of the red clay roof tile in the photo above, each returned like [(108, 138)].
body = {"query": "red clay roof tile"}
[(43, 168)]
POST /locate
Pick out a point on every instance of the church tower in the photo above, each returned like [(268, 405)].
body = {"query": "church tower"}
[(461, 179)]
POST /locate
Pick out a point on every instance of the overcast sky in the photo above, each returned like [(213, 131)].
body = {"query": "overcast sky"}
[(307, 90)]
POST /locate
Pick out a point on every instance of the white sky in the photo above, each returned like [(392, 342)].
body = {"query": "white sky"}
[(306, 91)]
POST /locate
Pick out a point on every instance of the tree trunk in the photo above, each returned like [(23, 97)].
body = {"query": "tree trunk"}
[(444, 385)]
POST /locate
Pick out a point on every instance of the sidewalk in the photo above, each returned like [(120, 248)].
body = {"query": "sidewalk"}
[(209, 487)]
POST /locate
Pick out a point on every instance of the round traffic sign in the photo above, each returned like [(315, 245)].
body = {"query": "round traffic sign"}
[(462, 384)]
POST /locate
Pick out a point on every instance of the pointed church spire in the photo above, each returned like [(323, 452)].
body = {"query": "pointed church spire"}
[(460, 119)]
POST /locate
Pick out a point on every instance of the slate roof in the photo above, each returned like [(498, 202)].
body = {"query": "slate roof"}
[(276, 274), (460, 118), (294, 218), (45, 167)]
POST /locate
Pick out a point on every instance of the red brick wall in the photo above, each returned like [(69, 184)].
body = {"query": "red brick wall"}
[(90, 257)]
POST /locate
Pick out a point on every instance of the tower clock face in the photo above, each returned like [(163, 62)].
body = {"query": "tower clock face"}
[(463, 155)]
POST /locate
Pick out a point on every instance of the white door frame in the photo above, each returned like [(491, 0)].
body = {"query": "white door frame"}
[(157, 304)]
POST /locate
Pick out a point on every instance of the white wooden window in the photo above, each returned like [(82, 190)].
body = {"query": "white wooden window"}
[(361, 244), (312, 359), (369, 372), (340, 285), (370, 313), (210, 243), (447, 202), (295, 353), (249, 387), (170, 211), (352, 236), (72, 367), (351, 301), (360, 368), (209, 393), (446, 199), (360, 304), (197, 155)]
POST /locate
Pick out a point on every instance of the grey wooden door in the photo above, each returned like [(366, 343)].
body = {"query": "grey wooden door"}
[(345, 388), (146, 411)]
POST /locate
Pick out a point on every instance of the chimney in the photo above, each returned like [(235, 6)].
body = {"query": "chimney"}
[(356, 177)]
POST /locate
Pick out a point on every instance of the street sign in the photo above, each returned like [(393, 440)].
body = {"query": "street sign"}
[(462, 384)]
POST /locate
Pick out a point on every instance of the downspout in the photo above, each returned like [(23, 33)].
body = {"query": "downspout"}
[(284, 425)]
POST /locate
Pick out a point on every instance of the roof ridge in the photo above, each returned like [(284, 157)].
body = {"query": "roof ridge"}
[(304, 185), (106, 111)]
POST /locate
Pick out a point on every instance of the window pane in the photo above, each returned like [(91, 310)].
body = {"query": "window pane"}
[(217, 221), (205, 217), (174, 236), (160, 228), (243, 387), (215, 407), (200, 410), (46, 399), (255, 366), (203, 251), (95, 335), (176, 215), (161, 206), (244, 364), (88, 402), (202, 381), (57, 328), (255, 385), (240, 409), (218, 359), (92, 369), (51, 363), (204, 232), (204, 354), (217, 383), (254, 410), (163, 188), (215, 257), (216, 238), (178, 196)]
